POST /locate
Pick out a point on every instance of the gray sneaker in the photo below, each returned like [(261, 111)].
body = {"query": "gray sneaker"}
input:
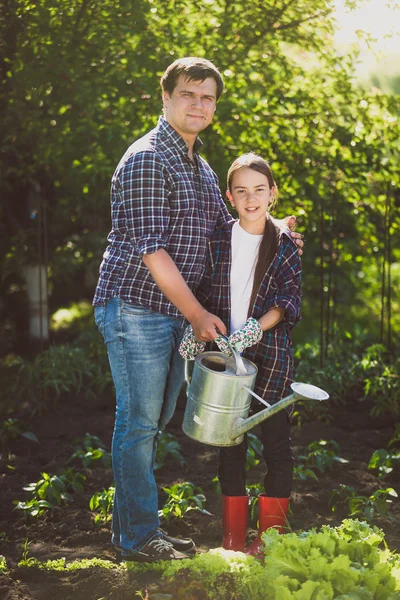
[(157, 548), (185, 545)]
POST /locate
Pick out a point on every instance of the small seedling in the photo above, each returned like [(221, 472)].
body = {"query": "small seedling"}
[(102, 503), (183, 498), (92, 452)]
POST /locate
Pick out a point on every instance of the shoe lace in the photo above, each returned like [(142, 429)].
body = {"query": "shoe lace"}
[(159, 544)]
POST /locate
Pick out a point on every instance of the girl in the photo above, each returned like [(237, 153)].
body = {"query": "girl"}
[(253, 283)]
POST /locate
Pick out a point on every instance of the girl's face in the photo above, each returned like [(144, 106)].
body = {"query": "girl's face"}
[(251, 195)]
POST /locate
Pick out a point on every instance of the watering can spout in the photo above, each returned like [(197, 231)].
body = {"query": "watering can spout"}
[(300, 391)]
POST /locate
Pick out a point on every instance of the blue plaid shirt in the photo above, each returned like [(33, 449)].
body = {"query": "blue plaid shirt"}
[(281, 287), (159, 199)]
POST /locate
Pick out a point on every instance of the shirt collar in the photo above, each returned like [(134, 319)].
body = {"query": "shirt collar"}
[(170, 134)]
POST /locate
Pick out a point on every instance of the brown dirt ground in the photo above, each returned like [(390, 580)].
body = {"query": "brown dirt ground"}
[(70, 531)]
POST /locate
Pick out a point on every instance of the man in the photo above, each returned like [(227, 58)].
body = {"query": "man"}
[(165, 202)]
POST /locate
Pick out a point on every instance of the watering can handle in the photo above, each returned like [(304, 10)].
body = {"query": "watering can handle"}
[(240, 366)]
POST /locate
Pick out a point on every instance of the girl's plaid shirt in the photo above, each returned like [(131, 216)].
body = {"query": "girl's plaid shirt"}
[(281, 287)]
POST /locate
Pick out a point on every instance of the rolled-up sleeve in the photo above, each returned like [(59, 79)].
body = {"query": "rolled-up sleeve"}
[(288, 279), (143, 191)]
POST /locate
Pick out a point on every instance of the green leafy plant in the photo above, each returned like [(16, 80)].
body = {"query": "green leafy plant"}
[(385, 461), (303, 472), (102, 503), (181, 499), (321, 456), (169, 448), (342, 562), (51, 491), (345, 498), (92, 452)]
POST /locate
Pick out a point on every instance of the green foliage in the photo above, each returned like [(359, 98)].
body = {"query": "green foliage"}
[(78, 368), (51, 491), (12, 428), (254, 450), (381, 375), (387, 461), (102, 503), (181, 499), (168, 448), (334, 146), (60, 564), (3, 564), (336, 376), (322, 455), (92, 452), (332, 563), (345, 499)]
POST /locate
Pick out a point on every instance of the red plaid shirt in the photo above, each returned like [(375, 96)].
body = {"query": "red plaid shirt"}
[(159, 199), (281, 287)]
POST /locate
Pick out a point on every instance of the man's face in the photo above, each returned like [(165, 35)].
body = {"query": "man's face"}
[(190, 108)]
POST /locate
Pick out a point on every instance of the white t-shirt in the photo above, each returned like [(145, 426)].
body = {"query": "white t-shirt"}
[(244, 256)]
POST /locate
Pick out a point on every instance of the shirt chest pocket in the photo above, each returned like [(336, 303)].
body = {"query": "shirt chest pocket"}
[(182, 195)]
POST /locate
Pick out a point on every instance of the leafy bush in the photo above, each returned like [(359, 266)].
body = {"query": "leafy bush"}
[(330, 564), (79, 368), (381, 375)]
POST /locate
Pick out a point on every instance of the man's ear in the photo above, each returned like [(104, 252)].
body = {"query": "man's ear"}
[(166, 99)]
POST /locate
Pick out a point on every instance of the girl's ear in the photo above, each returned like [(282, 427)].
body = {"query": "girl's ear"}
[(229, 196)]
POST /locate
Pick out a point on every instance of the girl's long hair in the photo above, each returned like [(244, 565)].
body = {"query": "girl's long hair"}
[(269, 241)]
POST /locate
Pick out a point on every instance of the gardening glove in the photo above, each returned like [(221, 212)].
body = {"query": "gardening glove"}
[(246, 336), (223, 346), (189, 346)]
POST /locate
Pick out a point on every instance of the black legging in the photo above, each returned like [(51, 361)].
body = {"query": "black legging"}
[(277, 453)]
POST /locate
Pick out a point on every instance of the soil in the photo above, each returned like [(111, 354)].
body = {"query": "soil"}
[(70, 532)]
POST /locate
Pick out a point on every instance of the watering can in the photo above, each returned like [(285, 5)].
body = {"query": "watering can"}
[(219, 398)]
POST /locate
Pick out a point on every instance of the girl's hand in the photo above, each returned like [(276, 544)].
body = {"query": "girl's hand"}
[(246, 336), (189, 346), (223, 346)]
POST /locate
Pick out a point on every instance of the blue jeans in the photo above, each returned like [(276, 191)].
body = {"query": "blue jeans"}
[(147, 370)]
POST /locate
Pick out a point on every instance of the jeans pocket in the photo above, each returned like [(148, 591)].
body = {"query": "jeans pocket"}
[(99, 318), (134, 309)]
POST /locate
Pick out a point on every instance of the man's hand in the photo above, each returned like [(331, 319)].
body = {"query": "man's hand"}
[(291, 223), (205, 326)]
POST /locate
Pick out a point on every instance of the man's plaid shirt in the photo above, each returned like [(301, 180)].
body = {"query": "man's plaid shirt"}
[(281, 287), (159, 199)]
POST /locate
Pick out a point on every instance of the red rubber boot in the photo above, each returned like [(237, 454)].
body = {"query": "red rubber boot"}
[(271, 513), (234, 513)]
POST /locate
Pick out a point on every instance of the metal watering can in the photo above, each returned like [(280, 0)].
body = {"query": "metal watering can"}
[(219, 397)]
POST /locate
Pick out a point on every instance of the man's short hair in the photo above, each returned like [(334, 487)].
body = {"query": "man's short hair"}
[(193, 69)]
